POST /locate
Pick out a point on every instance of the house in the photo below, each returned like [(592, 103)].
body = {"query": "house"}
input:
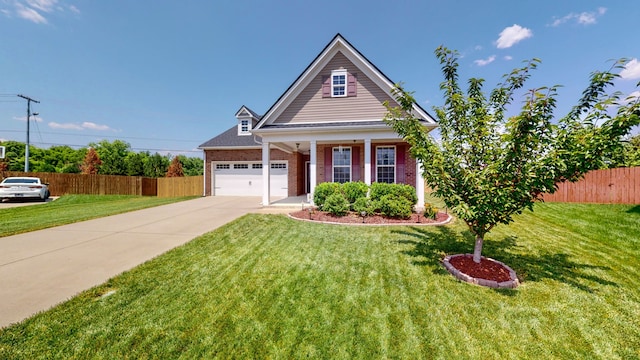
[(327, 126)]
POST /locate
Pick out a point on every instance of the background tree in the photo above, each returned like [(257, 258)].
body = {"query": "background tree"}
[(155, 165), (91, 163), (135, 164), (175, 168), (192, 166), (113, 155), (488, 167)]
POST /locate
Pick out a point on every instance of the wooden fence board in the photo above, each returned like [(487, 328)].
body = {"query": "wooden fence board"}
[(606, 186)]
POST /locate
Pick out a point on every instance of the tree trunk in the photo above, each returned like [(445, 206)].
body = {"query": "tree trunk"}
[(477, 250)]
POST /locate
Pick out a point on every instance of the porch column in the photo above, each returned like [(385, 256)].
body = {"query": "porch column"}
[(367, 161), (419, 185), (266, 196), (313, 164)]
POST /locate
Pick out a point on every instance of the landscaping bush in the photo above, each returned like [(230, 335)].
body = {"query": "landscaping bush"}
[(323, 191), (336, 204), (364, 204), (379, 190), (430, 211), (395, 207), (355, 190)]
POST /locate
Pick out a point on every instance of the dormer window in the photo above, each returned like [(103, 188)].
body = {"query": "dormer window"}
[(339, 83), (244, 127)]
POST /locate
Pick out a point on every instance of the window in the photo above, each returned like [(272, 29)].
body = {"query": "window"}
[(240, 166), (222, 166), (386, 164), (244, 127), (279, 166), (339, 83), (256, 166), (341, 164)]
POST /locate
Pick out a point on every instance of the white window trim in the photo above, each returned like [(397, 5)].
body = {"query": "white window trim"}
[(333, 166), (395, 161), (341, 72), (240, 126)]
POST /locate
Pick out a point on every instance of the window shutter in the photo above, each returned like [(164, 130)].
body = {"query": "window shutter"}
[(326, 86), (374, 165), (328, 175), (400, 164), (355, 163), (352, 85)]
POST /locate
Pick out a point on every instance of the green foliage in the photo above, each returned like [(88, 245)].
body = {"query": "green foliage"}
[(395, 206), (364, 204), (379, 190), (430, 211), (323, 191), (489, 166), (354, 190), (336, 204), (120, 160)]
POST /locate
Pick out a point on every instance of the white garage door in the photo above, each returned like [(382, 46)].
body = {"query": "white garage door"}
[(245, 179)]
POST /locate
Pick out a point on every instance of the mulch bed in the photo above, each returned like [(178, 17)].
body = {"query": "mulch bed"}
[(486, 269), (353, 218)]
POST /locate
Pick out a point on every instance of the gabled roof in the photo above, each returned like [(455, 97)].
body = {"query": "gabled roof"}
[(337, 44), (245, 110), (230, 138)]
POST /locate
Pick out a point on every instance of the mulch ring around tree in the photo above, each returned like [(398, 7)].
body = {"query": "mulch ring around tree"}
[(489, 272), (353, 218)]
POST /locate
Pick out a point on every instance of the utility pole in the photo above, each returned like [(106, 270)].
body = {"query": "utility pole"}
[(26, 150)]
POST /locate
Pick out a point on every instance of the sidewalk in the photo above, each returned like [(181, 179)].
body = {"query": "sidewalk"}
[(43, 268)]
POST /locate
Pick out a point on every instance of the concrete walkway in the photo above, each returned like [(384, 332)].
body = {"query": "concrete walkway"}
[(43, 268)]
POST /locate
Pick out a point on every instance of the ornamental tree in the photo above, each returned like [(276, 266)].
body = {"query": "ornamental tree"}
[(175, 168), (91, 163), (488, 166)]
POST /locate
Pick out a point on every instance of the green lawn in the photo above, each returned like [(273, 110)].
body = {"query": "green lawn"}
[(265, 286), (73, 208)]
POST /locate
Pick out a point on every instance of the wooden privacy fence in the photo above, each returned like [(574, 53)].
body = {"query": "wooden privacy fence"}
[(61, 184), (181, 186), (607, 186)]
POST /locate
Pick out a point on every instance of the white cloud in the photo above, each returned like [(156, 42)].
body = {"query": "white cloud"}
[(43, 5), (512, 35), (34, 10), (483, 62), (24, 118), (68, 126), (477, 47), (508, 57), (583, 18), (631, 70), (634, 96), (94, 126), (84, 126), (30, 14)]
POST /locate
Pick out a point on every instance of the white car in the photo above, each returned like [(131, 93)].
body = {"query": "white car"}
[(23, 188)]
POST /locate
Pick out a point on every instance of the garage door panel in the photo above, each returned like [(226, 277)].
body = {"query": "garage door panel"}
[(247, 181)]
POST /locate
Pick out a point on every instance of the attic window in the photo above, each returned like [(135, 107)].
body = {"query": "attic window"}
[(244, 127), (339, 83)]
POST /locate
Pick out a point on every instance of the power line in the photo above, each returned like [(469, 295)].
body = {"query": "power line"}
[(108, 136)]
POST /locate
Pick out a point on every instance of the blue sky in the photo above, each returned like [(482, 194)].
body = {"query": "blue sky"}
[(168, 75)]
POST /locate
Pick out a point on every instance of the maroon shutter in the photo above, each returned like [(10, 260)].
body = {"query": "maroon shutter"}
[(352, 85), (326, 86), (400, 164), (373, 163), (355, 163), (328, 175)]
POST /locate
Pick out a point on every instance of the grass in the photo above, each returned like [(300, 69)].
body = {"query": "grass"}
[(265, 286), (73, 208)]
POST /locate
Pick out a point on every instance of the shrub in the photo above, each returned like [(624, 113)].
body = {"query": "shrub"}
[(395, 207), (355, 190), (364, 204), (430, 211), (323, 191), (336, 204), (379, 190)]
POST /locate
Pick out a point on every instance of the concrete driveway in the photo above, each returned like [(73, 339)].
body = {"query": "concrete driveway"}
[(43, 268)]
